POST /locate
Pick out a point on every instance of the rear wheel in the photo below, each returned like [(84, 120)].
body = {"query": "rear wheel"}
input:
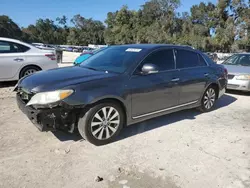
[(102, 123), (28, 71), (208, 99)]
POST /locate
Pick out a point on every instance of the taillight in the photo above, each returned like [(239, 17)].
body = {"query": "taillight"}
[(51, 56)]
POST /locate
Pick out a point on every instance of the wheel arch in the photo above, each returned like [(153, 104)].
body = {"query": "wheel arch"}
[(115, 100), (29, 65), (216, 86)]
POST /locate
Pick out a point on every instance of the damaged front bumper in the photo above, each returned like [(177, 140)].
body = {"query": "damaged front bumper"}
[(60, 117)]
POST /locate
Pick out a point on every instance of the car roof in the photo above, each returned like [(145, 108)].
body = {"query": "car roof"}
[(153, 46), (16, 41)]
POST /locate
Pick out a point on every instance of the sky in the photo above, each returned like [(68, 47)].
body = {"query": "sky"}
[(25, 12)]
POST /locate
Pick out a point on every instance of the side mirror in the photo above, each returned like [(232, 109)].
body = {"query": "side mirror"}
[(149, 69)]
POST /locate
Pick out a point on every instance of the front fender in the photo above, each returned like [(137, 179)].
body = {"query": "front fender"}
[(92, 92)]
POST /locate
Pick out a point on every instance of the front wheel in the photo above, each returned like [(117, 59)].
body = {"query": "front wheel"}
[(102, 123), (208, 99)]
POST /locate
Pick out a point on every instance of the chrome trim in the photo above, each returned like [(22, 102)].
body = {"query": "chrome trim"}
[(167, 109), (175, 64), (198, 67), (175, 80)]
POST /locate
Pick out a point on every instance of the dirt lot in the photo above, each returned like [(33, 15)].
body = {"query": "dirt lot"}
[(186, 149)]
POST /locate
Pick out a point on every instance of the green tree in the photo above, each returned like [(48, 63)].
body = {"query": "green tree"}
[(86, 31), (120, 27), (8, 28)]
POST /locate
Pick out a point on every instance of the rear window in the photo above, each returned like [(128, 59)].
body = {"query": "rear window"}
[(11, 47)]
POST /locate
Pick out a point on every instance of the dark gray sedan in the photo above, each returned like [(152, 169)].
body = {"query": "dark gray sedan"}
[(120, 86), (238, 67)]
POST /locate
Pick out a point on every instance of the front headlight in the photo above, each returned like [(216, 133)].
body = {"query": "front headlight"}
[(49, 97), (243, 77)]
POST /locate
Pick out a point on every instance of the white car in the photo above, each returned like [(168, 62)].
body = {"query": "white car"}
[(19, 59)]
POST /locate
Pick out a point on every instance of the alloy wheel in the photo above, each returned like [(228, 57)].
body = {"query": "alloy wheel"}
[(105, 123), (209, 98), (29, 72)]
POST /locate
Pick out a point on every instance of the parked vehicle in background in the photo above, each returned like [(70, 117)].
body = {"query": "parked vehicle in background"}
[(120, 86), (85, 55), (238, 66), (44, 46), (87, 49), (19, 59), (221, 59), (69, 49)]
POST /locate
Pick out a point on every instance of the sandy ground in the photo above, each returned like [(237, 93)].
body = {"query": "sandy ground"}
[(182, 150), (65, 64)]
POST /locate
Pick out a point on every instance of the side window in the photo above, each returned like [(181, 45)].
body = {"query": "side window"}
[(9, 47), (202, 62), (22, 48), (4, 47), (187, 59), (208, 59), (163, 59)]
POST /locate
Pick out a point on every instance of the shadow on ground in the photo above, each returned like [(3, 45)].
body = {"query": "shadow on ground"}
[(170, 118), (65, 136), (154, 123), (7, 84)]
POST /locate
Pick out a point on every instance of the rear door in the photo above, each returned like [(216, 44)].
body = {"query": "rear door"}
[(12, 58), (194, 75), (157, 91)]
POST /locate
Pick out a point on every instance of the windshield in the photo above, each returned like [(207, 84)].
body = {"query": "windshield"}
[(114, 59), (98, 50), (241, 60)]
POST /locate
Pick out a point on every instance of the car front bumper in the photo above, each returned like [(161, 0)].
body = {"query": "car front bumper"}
[(49, 119), (221, 92), (242, 85)]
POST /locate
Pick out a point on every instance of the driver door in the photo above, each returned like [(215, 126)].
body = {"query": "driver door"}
[(157, 91)]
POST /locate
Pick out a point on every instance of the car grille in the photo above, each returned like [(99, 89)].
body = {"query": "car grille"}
[(230, 76)]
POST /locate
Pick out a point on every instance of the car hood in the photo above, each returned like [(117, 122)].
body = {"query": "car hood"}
[(59, 78), (236, 69)]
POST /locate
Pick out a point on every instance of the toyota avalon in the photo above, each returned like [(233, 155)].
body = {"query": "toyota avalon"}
[(121, 86)]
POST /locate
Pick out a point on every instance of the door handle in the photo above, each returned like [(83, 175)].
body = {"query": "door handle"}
[(175, 80), (206, 74), (18, 59)]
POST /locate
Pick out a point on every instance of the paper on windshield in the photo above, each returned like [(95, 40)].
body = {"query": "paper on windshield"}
[(133, 50)]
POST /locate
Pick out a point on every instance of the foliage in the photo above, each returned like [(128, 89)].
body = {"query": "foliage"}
[(224, 26), (8, 28)]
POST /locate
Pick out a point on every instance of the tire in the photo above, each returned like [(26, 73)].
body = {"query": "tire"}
[(208, 100), (28, 71), (96, 131)]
